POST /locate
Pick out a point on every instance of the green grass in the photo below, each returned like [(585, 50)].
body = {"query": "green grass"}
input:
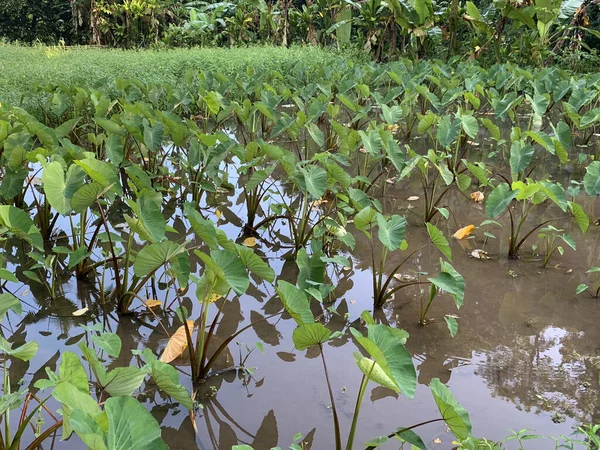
[(23, 67)]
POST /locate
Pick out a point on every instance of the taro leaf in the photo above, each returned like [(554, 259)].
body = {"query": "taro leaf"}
[(72, 371), (312, 268), (24, 352), (393, 114), (59, 190), (77, 256), (448, 131), (375, 372), (580, 216), (391, 358), (88, 429), (166, 378), (569, 241), (469, 125), (151, 217), (309, 334), (453, 414), (426, 122), (153, 136), (131, 426), (315, 178), (520, 157), (71, 399), (450, 281), (152, 257), (439, 240), (205, 229), (316, 134), (452, 325), (498, 200), (493, 129), (115, 149), (365, 219), (85, 196), (255, 264), (581, 288), (391, 231), (8, 402), (123, 380), (371, 141), (233, 268), (8, 302), (109, 342), (19, 223), (101, 172), (295, 302), (591, 180)]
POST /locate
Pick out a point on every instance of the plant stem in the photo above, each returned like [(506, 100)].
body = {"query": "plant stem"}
[(336, 422)]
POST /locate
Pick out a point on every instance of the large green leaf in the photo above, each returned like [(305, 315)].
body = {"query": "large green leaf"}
[(18, 222), (451, 281), (109, 342), (205, 229), (387, 350), (309, 334), (391, 231), (255, 264), (166, 378), (58, 189), (8, 302), (154, 256), (295, 302), (580, 216), (439, 240), (101, 172), (151, 217), (520, 157), (315, 178), (448, 131), (86, 195), (24, 352), (71, 370), (123, 380), (455, 416), (591, 180), (498, 200), (131, 426), (153, 136), (233, 268), (312, 268), (365, 219)]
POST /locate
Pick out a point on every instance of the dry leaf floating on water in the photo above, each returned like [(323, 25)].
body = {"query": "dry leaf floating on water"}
[(464, 232), (177, 343)]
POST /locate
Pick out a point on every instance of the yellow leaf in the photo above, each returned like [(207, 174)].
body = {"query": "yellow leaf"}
[(413, 198), (81, 312), (477, 196), (249, 242), (464, 232), (214, 297), (437, 441), (219, 214), (177, 344), (151, 303)]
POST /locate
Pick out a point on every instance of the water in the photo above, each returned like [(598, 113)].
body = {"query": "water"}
[(525, 356)]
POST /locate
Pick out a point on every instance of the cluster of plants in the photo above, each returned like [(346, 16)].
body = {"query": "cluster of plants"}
[(122, 191), (538, 32)]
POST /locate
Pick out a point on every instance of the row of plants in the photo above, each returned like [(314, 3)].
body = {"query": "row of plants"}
[(538, 32), (123, 192)]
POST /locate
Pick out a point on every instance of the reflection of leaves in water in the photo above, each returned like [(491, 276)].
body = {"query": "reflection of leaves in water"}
[(287, 357), (41, 372), (273, 305), (313, 352), (227, 437), (266, 331), (267, 435), (231, 318), (380, 392)]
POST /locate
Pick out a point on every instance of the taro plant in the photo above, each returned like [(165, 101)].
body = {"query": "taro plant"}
[(550, 235), (583, 286), (226, 271), (390, 234), (387, 363)]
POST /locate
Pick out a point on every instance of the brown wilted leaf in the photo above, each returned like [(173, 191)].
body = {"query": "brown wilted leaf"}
[(177, 344), (464, 232), (152, 303), (249, 242), (477, 196)]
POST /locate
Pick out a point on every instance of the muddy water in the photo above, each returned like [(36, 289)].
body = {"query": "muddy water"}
[(523, 357)]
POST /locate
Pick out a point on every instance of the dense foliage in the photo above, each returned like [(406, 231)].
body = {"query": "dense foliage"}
[(121, 189), (538, 32)]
